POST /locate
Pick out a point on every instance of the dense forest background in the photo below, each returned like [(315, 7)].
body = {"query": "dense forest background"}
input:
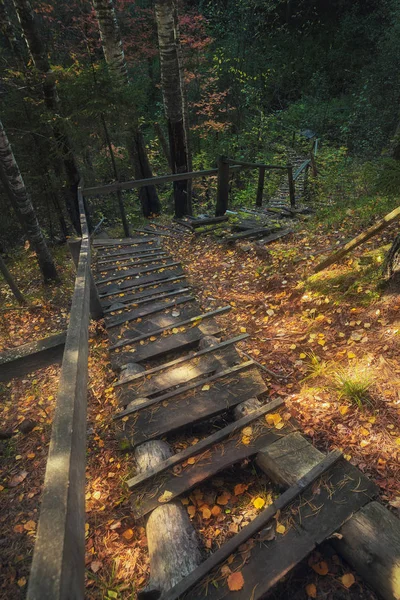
[(256, 73)]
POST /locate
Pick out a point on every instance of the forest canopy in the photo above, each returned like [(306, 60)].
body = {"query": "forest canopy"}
[(254, 73)]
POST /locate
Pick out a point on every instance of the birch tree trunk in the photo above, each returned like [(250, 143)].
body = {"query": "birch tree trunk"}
[(173, 96), (115, 59), (38, 53), (16, 187)]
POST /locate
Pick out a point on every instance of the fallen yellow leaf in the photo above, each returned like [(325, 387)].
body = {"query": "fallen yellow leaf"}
[(348, 579), (258, 503)]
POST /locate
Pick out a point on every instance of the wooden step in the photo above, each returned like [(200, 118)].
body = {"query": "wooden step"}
[(149, 309), (129, 252), (192, 407), (119, 307), (123, 273), (224, 453), (315, 515), (323, 469), (187, 358), (138, 255), (197, 367), (117, 288), (120, 264), (133, 241), (136, 288), (127, 298), (179, 342)]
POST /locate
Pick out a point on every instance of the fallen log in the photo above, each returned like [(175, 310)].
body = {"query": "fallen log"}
[(359, 239), (370, 539)]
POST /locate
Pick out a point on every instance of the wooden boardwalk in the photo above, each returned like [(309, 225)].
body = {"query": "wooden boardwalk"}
[(173, 375)]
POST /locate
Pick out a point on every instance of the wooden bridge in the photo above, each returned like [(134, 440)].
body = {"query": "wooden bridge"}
[(177, 368)]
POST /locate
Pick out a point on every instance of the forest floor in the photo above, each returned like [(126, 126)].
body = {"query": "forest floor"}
[(334, 336)]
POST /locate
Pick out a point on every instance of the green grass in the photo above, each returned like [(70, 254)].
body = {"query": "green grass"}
[(353, 384)]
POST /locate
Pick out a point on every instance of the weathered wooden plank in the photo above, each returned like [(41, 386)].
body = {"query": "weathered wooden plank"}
[(29, 357), (192, 408), (250, 233), (150, 309), (128, 284), (148, 292), (125, 274), (209, 462), (129, 252), (205, 381), (148, 385), (253, 528), (184, 359), (317, 514), (275, 236), (166, 345), (204, 444), (139, 287), (115, 265), (58, 565), (181, 323), (147, 230), (208, 221), (154, 297), (132, 241)]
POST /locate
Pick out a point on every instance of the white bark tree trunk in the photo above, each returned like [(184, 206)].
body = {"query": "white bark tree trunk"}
[(115, 59), (174, 101), (16, 187)]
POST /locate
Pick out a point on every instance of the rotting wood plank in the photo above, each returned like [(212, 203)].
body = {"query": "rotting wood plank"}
[(133, 263), (122, 274), (111, 242), (250, 233), (166, 345), (150, 298), (317, 514), (188, 409), (141, 286), (141, 327), (209, 462), (183, 359), (154, 232), (128, 284), (261, 521), (275, 236), (148, 254), (139, 313), (205, 381), (29, 357), (196, 319), (146, 293), (193, 369), (129, 252), (208, 221), (204, 444)]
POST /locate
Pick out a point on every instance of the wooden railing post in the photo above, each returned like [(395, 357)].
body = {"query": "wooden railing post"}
[(292, 193), (223, 187), (96, 310), (260, 186)]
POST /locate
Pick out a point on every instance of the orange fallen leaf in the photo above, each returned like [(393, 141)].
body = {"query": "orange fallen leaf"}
[(240, 488), (206, 512), (128, 534), (348, 579), (224, 498), (216, 510), (311, 590), (191, 510), (235, 581), (320, 567)]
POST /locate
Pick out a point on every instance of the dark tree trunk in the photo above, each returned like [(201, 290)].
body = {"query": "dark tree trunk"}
[(15, 187), (392, 261), (148, 195), (38, 52)]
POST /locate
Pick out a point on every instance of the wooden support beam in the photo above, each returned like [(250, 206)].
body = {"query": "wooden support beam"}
[(260, 186), (253, 528), (360, 239), (223, 187), (292, 192), (96, 309), (370, 540)]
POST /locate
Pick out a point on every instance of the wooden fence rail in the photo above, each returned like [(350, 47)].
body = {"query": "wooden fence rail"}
[(58, 565)]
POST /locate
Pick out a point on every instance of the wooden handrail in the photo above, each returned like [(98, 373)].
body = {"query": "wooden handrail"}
[(58, 565), (251, 165)]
